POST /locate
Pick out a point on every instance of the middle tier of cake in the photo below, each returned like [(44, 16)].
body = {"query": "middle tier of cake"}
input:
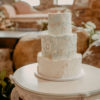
[(62, 46), (64, 69)]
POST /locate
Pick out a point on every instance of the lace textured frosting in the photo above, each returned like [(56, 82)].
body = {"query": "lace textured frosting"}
[(58, 59), (56, 47)]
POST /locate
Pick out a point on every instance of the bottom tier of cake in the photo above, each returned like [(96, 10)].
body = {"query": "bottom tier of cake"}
[(61, 69)]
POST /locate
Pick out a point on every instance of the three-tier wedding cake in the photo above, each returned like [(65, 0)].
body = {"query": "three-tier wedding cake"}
[(58, 59)]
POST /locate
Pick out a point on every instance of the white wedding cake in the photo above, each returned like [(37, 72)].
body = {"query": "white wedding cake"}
[(58, 59)]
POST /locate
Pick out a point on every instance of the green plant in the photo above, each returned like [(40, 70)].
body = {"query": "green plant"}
[(45, 26), (5, 86)]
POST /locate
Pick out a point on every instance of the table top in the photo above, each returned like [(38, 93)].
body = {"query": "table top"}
[(17, 34), (90, 84)]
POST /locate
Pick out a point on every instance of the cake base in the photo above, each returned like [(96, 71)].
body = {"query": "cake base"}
[(33, 88), (61, 79)]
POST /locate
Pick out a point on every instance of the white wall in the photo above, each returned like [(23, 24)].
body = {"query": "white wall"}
[(32, 2), (65, 2)]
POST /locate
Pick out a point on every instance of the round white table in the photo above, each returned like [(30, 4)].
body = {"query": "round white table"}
[(30, 87)]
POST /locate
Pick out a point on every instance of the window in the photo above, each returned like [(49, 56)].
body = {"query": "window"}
[(32, 2), (82, 3), (63, 2)]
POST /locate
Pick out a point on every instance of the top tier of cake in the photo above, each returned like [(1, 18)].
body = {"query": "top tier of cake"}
[(60, 24)]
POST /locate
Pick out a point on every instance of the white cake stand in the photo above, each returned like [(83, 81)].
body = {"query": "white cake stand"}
[(30, 87)]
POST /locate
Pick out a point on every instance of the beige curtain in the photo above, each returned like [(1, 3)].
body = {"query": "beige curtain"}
[(55, 2)]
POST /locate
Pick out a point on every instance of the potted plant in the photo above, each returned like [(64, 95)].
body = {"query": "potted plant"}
[(5, 86)]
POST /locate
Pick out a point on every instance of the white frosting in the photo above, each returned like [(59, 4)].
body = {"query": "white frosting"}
[(61, 46), (55, 69), (60, 23), (59, 58)]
